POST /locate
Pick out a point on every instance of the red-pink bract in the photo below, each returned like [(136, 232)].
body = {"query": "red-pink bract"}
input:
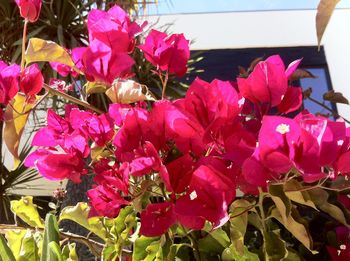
[(29, 9), (168, 53), (157, 218), (56, 165), (9, 75), (31, 80), (106, 201)]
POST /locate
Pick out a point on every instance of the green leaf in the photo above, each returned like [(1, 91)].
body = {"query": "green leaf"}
[(79, 214), (231, 254), (5, 251), (324, 12), (69, 253), (14, 240), (146, 248), (179, 252), (29, 249), (274, 246), (281, 201), (297, 229), (320, 198), (50, 235), (293, 190), (55, 251), (109, 253), (215, 242), (40, 50), (27, 211), (95, 87)]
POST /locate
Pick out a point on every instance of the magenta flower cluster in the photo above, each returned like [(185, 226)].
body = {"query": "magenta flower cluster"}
[(197, 150)]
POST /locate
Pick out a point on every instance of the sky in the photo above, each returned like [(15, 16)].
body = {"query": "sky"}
[(204, 6)]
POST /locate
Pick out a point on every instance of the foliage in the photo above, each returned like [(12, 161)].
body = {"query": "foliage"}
[(166, 172)]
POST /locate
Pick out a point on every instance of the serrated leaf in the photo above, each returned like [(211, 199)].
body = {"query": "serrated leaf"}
[(40, 50), (5, 251), (50, 235), (336, 97), (324, 12), (128, 91), (16, 116), (79, 214), (27, 211)]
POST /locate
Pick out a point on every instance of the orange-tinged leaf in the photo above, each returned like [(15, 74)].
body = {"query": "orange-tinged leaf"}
[(324, 12), (128, 91), (40, 50), (16, 116)]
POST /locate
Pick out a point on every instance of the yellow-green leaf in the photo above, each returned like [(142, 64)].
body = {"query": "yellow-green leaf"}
[(297, 229), (79, 214), (324, 12), (16, 116), (40, 50), (128, 91), (14, 240), (293, 190), (27, 211), (95, 87)]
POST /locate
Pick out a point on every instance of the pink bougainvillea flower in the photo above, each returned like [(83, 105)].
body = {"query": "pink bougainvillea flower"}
[(157, 218), (268, 83), (207, 198), (292, 100), (8, 82), (178, 173), (168, 53), (29, 9), (342, 253), (106, 200), (114, 175), (63, 70), (31, 80), (55, 165), (102, 64), (146, 159)]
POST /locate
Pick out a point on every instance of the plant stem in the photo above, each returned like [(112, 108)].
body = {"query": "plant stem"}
[(164, 83), (261, 208), (24, 40), (72, 99), (334, 113), (195, 247)]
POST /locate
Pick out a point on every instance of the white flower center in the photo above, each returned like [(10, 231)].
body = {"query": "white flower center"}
[(283, 128)]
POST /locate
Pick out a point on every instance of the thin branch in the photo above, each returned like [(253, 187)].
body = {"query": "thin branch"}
[(334, 113), (72, 99)]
